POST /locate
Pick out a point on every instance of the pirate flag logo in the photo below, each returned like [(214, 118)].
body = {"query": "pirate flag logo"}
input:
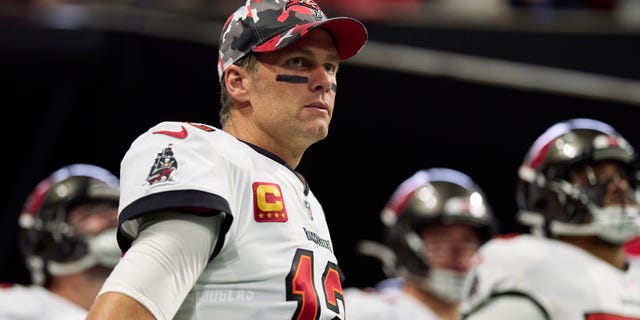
[(164, 167)]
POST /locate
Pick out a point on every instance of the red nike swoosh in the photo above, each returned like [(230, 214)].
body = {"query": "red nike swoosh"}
[(176, 134)]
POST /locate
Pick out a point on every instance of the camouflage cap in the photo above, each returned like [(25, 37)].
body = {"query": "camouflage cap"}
[(269, 25)]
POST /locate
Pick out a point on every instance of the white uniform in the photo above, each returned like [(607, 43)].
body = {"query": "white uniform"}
[(388, 303), (567, 283), (274, 258), (19, 302)]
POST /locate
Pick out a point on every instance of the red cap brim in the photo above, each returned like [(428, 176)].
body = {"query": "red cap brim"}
[(349, 34)]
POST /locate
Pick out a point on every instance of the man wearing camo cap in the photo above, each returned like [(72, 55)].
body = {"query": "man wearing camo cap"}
[(222, 226)]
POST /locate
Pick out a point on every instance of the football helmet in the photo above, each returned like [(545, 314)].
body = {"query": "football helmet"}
[(551, 204), (50, 243), (436, 195)]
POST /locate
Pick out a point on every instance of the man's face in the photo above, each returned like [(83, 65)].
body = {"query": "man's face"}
[(450, 246), (94, 217), (292, 92)]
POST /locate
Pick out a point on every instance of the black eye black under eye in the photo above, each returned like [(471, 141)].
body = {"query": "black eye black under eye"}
[(291, 78)]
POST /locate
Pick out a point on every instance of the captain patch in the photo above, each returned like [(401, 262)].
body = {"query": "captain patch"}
[(268, 205)]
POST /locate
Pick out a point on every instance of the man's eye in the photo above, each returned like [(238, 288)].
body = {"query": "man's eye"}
[(330, 68), (297, 62)]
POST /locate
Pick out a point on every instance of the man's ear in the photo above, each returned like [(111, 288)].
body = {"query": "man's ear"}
[(235, 80)]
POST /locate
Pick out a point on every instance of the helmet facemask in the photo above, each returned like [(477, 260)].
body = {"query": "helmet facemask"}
[(444, 283), (609, 201)]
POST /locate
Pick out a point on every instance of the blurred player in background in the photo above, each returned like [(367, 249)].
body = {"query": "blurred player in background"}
[(68, 238), (577, 192), (435, 222)]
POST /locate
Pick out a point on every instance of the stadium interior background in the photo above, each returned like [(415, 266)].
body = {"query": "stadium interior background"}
[(467, 89)]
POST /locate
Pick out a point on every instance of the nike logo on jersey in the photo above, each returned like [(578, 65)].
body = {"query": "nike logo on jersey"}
[(176, 134)]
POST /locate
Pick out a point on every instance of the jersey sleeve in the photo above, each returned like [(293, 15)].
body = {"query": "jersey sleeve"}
[(165, 262), (173, 166)]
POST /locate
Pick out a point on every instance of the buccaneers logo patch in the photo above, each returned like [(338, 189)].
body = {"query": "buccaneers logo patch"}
[(164, 167), (268, 204)]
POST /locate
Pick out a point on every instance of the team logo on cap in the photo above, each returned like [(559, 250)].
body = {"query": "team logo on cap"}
[(301, 6), (268, 204)]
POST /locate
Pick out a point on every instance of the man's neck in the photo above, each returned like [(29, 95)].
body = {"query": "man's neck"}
[(290, 155)]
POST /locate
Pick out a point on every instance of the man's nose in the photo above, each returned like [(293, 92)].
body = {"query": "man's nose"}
[(321, 80)]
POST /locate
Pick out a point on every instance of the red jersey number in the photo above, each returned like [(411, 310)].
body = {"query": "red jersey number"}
[(301, 287)]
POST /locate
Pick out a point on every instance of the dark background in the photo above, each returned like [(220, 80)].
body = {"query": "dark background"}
[(84, 94)]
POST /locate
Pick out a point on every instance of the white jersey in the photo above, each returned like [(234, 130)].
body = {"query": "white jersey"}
[(566, 282), (274, 258), (19, 302), (388, 303)]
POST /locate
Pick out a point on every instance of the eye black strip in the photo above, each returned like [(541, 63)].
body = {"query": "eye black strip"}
[(291, 79), (298, 79)]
